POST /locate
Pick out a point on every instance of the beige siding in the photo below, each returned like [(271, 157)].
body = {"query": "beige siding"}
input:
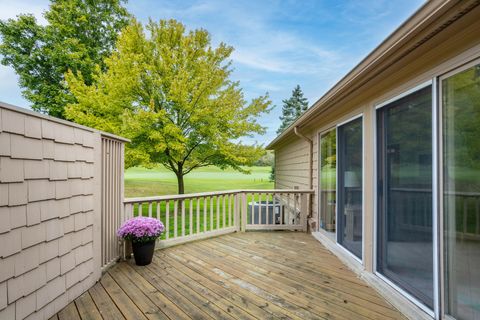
[(47, 213), (291, 165)]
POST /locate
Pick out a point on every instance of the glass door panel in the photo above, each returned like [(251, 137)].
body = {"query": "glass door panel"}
[(461, 193), (328, 166), (404, 207), (349, 196)]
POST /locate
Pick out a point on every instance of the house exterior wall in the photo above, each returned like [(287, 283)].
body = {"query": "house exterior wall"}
[(49, 209), (454, 47), (292, 165)]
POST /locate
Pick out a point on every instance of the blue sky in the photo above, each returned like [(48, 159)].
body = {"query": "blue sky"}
[(278, 44)]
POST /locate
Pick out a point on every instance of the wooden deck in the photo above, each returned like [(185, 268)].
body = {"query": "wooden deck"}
[(253, 275)]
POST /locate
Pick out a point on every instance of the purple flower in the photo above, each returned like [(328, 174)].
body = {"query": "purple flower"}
[(141, 229)]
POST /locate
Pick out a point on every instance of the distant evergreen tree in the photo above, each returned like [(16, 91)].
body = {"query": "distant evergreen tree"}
[(293, 108), (272, 174)]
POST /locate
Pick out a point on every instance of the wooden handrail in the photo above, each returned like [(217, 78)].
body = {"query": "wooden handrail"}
[(213, 193)]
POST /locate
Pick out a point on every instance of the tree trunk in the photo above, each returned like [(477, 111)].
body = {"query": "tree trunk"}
[(181, 185)]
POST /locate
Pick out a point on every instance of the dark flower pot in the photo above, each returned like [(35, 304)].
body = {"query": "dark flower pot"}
[(143, 252)]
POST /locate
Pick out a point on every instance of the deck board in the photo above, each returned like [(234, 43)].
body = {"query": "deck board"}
[(253, 275)]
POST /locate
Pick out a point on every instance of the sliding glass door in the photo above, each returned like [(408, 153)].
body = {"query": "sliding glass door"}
[(349, 189), (461, 192), (404, 200), (328, 166)]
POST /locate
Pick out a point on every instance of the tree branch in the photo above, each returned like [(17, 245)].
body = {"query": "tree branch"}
[(200, 164), (170, 162), (197, 166), (190, 151)]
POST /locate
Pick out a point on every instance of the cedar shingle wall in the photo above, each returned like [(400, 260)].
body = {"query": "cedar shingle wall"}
[(46, 214)]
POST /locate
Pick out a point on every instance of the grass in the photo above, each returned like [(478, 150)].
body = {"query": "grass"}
[(141, 182)]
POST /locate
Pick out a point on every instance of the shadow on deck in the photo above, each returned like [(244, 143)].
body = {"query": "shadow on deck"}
[(253, 275)]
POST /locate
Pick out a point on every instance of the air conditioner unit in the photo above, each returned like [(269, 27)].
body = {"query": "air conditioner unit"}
[(260, 211)]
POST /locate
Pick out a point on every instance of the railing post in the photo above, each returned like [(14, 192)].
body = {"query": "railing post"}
[(304, 210), (244, 212)]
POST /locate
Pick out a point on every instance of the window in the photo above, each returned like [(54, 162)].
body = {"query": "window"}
[(349, 192), (404, 197), (328, 165), (461, 192)]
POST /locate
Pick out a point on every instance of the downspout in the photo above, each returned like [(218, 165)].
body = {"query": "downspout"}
[(310, 174)]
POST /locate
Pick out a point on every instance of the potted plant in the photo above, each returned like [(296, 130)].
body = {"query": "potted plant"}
[(142, 232)]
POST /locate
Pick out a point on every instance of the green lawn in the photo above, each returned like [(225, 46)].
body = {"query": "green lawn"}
[(141, 182)]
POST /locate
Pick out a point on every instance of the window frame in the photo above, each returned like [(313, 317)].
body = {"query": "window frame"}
[(362, 259), (465, 65), (377, 107)]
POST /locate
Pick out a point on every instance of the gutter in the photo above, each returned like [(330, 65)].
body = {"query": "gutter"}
[(310, 175)]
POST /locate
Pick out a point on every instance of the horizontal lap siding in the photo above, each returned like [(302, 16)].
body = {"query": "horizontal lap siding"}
[(292, 165), (47, 212)]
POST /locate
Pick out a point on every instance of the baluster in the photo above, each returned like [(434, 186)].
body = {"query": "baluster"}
[(274, 208), (198, 215), (182, 203), (264, 204), (289, 221), (230, 198), (175, 218), (267, 208), (235, 211), (282, 212), (191, 217), (167, 219), (259, 210), (149, 209), (158, 211), (296, 207), (211, 213), (223, 212), (218, 202), (128, 211), (140, 210), (252, 209), (205, 214)]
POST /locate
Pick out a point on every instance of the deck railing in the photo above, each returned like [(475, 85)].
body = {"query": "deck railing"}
[(195, 216)]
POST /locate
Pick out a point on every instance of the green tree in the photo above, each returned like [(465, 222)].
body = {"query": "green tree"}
[(272, 173), (170, 93), (293, 108), (78, 36)]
